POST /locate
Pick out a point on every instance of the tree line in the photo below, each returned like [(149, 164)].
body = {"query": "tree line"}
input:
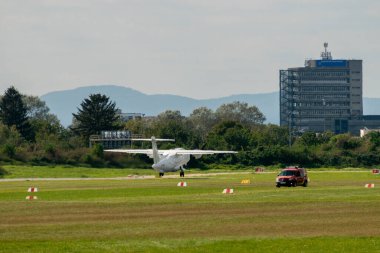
[(30, 134)]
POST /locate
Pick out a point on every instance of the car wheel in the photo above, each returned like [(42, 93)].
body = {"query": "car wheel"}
[(278, 185), (305, 184), (294, 184)]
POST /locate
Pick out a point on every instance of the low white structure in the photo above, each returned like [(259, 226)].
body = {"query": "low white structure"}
[(365, 131)]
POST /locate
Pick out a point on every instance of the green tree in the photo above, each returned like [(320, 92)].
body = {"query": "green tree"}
[(98, 151), (35, 107), (374, 139), (240, 112), (171, 124), (9, 135), (13, 112), (269, 135), (97, 113), (229, 135), (136, 126), (345, 141), (309, 139), (202, 120), (45, 124)]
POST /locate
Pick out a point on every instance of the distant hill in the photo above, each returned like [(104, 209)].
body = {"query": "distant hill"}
[(64, 103)]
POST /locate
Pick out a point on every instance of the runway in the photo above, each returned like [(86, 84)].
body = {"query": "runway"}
[(139, 177), (129, 177)]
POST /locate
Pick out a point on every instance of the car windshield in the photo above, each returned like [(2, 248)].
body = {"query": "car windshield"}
[(287, 173)]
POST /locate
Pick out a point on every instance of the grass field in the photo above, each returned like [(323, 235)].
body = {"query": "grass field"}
[(69, 171), (334, 214)]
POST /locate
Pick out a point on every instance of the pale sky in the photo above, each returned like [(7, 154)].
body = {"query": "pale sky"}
[(194, 48)]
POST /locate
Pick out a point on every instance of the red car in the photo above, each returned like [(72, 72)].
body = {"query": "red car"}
[(292, 176)]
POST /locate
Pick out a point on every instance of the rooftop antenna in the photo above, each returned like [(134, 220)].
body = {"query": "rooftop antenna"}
[(326, 55)]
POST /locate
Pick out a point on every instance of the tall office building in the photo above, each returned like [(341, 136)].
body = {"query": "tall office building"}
[(324, 95)]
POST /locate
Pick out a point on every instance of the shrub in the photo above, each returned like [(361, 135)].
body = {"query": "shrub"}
[(50, 150), (9, 150), (97, 150), (3, 172)]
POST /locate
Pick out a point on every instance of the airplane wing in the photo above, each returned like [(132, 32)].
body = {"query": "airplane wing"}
[(135, 151), (200, 152), (171, 151)]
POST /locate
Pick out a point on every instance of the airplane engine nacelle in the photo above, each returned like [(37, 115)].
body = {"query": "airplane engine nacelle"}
[(197, 156)]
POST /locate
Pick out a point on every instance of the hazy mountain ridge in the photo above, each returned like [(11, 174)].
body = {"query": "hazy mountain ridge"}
[(64, 103)]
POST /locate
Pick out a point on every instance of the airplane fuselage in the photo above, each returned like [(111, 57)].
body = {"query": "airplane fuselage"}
[(170, 162)]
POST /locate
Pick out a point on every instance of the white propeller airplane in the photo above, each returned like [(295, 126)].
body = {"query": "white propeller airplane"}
[(168, 160)]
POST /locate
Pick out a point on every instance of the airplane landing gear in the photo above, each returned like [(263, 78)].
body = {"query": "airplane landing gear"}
[(161, 174), (182, 172)]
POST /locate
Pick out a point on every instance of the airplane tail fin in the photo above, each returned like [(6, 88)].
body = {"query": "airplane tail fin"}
[(156, 156)]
